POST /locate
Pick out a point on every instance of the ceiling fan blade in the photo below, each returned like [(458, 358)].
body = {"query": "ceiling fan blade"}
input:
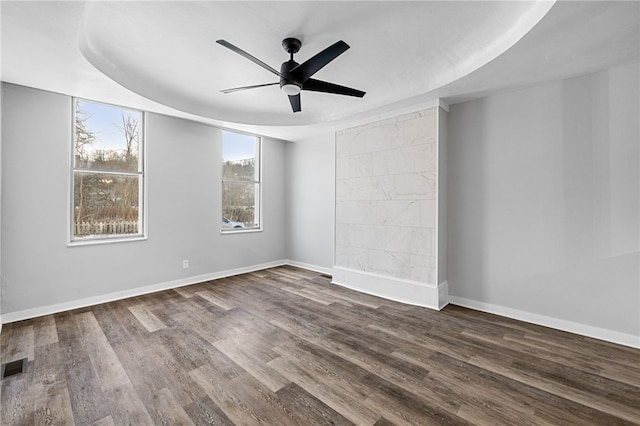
[(248, 56), (323, 86), (309, 67), (295, 102), (235, 89)]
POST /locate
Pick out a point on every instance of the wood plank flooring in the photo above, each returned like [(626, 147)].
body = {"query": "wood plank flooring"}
[(283, 346)]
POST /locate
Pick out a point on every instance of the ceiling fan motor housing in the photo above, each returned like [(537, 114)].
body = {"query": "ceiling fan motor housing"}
[(287, 77)]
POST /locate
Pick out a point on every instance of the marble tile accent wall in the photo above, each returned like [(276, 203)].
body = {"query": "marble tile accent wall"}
[(386, 197)]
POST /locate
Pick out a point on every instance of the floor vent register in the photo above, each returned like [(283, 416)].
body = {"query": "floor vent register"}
[(14, 367)]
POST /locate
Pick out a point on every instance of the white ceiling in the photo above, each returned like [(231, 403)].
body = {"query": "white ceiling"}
[(162, 55)]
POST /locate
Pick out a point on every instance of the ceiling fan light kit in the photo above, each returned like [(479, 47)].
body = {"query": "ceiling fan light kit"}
[(290, 89), (296, 77)]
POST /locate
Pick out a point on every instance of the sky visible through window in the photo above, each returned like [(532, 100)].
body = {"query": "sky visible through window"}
[(237, 146), (105, 121)]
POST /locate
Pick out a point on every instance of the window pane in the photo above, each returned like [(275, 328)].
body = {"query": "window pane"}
[(239, 154), (106, 137), (105, 204), (238, 205)]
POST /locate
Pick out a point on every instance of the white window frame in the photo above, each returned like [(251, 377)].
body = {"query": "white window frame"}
[(258, 182), (142, 188)]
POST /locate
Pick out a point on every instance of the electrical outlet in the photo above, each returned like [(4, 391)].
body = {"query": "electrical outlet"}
[(185, 264)]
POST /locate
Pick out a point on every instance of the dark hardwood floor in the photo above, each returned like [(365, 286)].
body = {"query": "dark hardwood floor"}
[(284, 346)]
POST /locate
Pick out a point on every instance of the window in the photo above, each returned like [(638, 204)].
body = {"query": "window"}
[(107, 176), (240, 182)]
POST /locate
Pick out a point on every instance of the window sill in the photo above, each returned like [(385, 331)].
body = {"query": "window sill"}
[(95, 241), (239, 230)]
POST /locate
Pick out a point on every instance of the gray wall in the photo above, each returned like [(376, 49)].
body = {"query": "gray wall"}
[(310, 201), (184, 173), (543, 200)]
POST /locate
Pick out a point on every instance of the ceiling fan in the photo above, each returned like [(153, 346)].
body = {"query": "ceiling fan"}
[(295, 77)]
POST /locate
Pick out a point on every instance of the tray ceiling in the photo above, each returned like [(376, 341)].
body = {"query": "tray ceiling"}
[(162, 56)]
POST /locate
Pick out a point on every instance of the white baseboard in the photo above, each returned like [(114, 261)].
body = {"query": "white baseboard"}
[(399, 290), (138, 291), (559, 324), (314, 268)]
